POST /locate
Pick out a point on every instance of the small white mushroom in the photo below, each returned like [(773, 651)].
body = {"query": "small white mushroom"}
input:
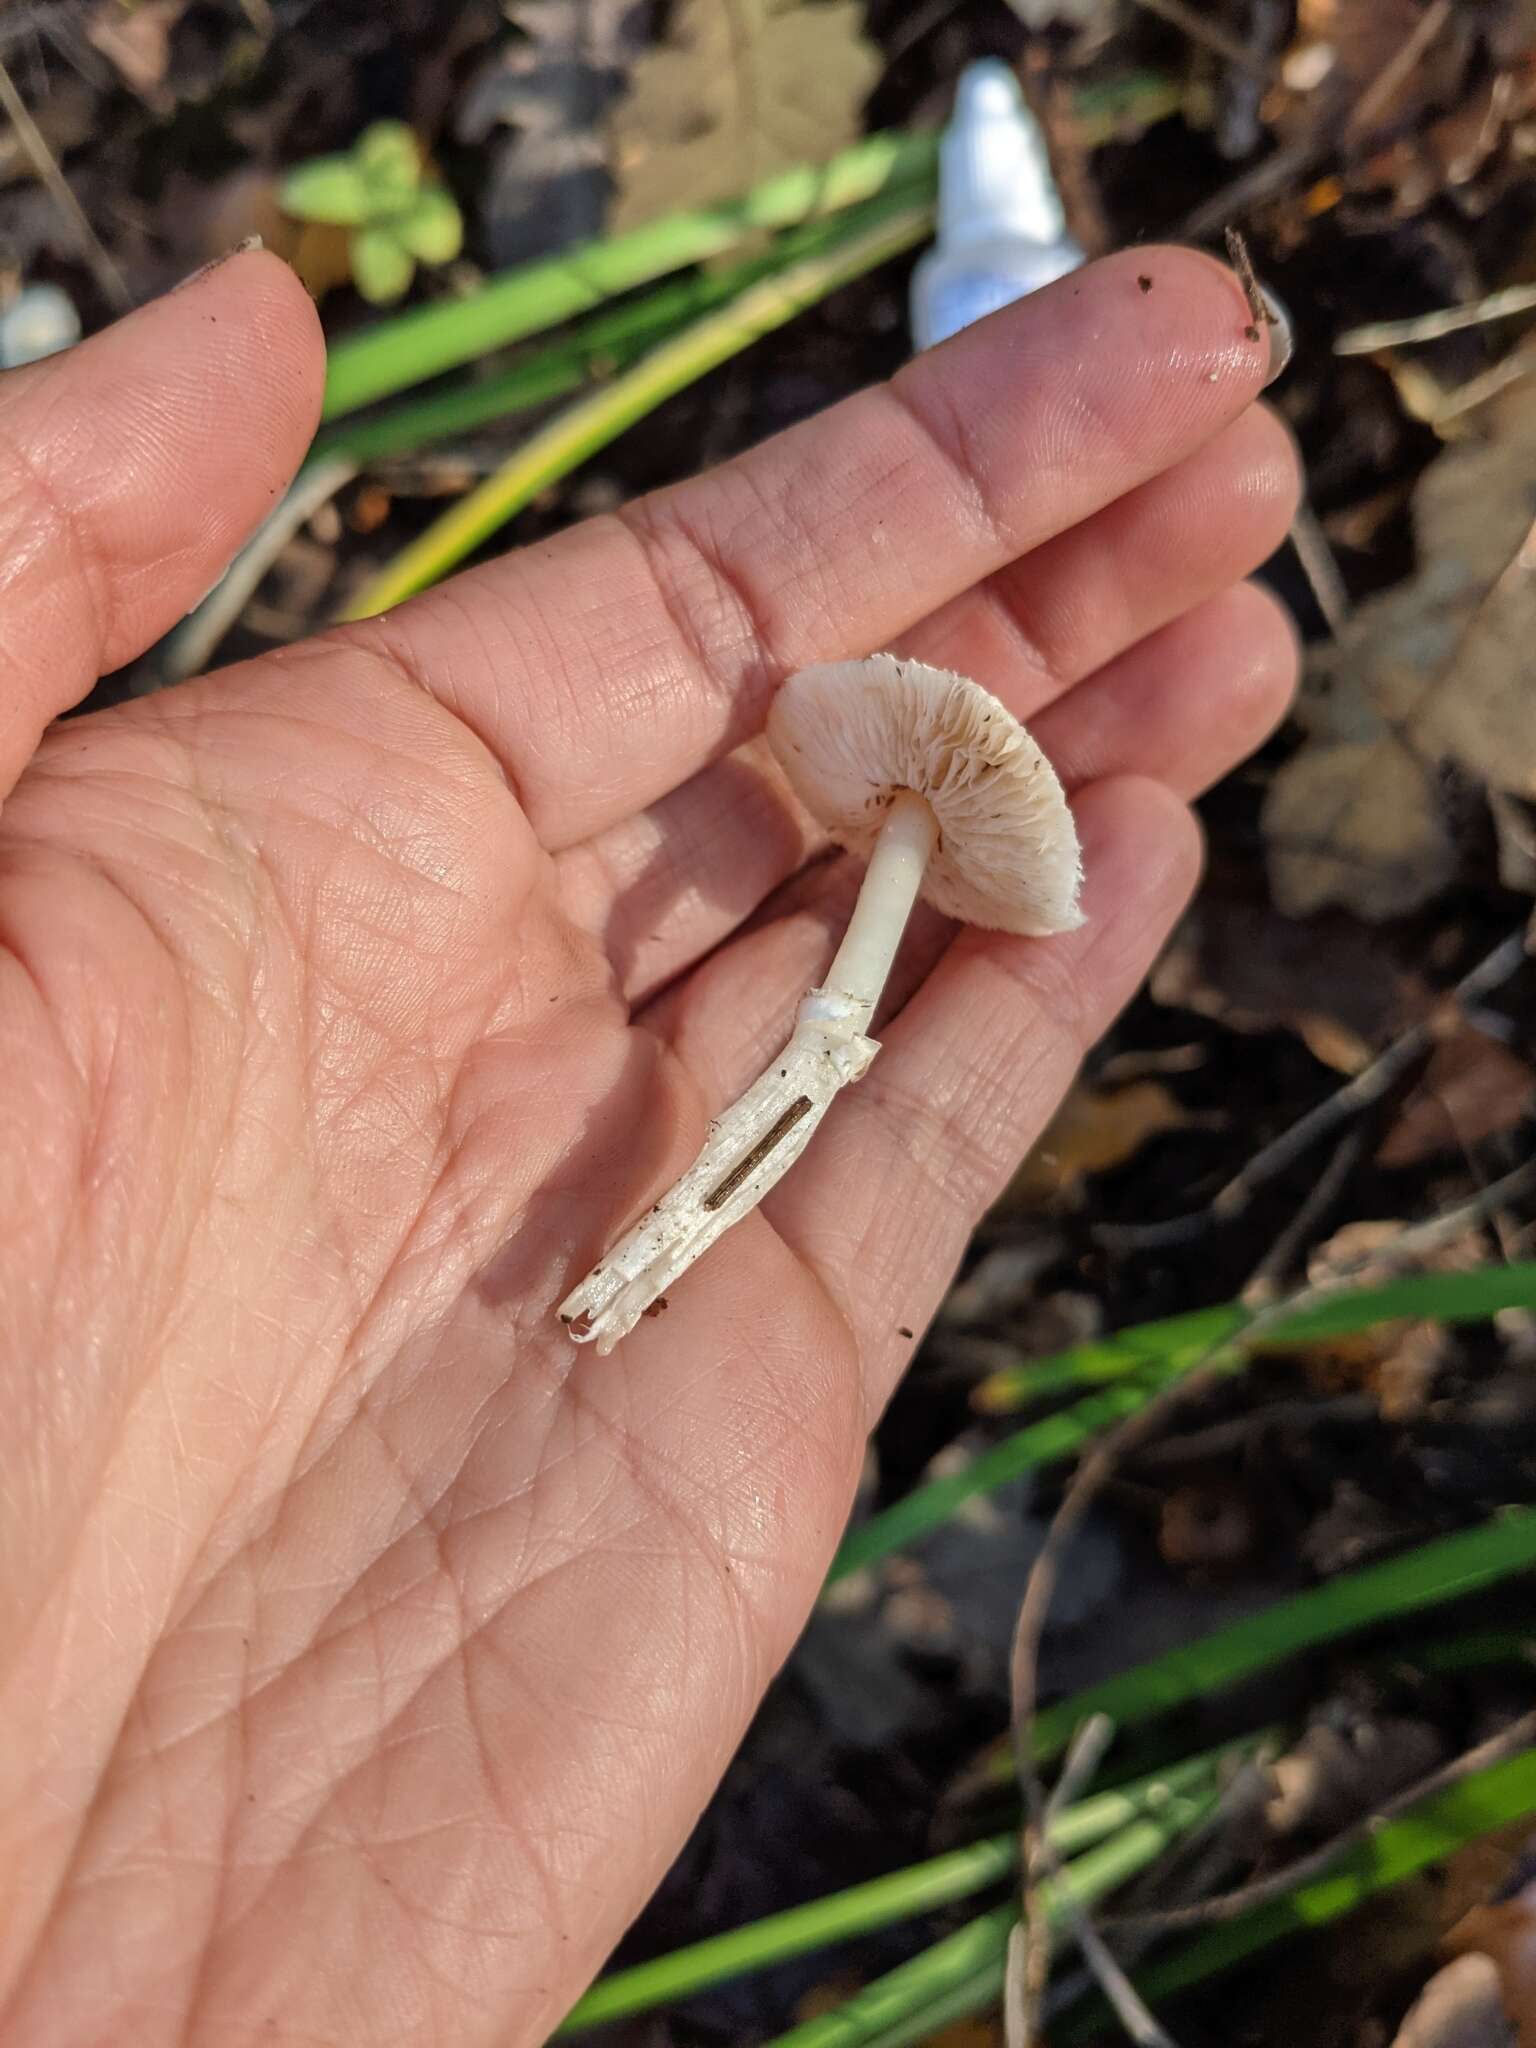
[(946, 795)]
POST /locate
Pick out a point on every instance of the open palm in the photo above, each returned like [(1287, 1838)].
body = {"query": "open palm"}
[(366, 1649)]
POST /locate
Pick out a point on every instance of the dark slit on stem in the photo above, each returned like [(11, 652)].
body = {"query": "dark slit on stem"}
[(719, 1196)]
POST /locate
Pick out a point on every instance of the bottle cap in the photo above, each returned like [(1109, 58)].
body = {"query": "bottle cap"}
[(994, 174)]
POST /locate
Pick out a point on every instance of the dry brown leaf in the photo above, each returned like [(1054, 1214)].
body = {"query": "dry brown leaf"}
[(1356, 823), (1506, 1932), (1472, 1089), (1208, 1526), (1092, 1132), (1238, 960), (966, 2034), (741, 88), (1484, 714), (136, 42), (1515, 830), (1335, 1774), (1462, 2006), (1436, 671)]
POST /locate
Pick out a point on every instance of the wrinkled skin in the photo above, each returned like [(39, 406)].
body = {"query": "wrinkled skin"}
[(366, 1650)]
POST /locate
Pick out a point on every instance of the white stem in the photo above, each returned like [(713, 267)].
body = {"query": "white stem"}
[(897, 864), (754, 1142)]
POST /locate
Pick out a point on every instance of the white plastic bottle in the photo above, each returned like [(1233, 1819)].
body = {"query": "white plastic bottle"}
[(1001, 230)]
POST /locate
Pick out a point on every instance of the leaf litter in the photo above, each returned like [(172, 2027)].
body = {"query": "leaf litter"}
[(740, 89), (1429, 691)]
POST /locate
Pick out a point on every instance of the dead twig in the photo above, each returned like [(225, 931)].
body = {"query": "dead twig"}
[(1519, 1735), (1029, 1947), (1380, 334), (190, 648), (1368, 1086), (1278, 173), (1320, 569), (1261, 1282), (1376, 101), (1200, 29), (1129, 2007), (1465, 398), (1080, 1766), (109, 279), (1020, 2003), (1241, 1804)]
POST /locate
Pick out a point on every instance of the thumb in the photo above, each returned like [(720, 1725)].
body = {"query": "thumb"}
[(132, 468)]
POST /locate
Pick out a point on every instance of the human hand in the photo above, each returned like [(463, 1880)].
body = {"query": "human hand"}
[(366, 1650)]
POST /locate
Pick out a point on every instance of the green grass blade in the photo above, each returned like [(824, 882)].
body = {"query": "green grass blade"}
[(980, 1992), (881, 1901), (799, 1931), (1043, 1443), (607, 341), (592, 422), (967, 1957), (1448, 1569), (1429, 1297), (397, 353), (1137, 1363), (1428, 1834)]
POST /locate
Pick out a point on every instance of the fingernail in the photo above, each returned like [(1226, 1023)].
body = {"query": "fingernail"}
[(241, 248), (1282, 335)]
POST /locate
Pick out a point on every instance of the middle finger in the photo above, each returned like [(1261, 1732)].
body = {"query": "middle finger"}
[(663, 888)]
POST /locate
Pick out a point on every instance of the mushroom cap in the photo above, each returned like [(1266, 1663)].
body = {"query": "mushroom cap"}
[(851, 734)]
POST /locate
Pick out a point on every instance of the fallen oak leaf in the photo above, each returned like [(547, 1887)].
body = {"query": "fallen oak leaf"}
[(1093, 1131), (1473, 1088), (1485, 715), (1356, 823), (1431, 681), (741, 89)]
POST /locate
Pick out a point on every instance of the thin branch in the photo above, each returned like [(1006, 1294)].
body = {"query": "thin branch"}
[(1320, 1196), (1130, 2009), (1368, 1086), (1029, 1949), (1465, 398), (1190, 22), (1023, 1994), (1080, 1766), (1519, 1735), (191, 646), (110, 280), (1380, 334), (1320, 569), (1376, 101)]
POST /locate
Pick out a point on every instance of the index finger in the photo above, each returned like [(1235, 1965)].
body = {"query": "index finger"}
[(605, 667)]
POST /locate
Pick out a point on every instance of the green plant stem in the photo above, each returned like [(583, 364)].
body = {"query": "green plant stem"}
[(1451, 1568), (1049, 1442), (979, 1992), (607, 341), (395, 354), (592, 422), (1135, 1365), (964, 1974), (968, 1956), (1434, 1297), (861, 1908), (420, 344), (1432, 1831)]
